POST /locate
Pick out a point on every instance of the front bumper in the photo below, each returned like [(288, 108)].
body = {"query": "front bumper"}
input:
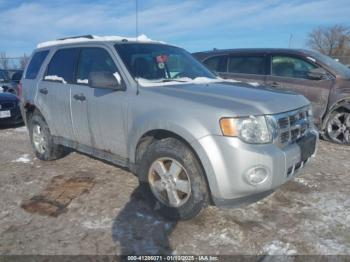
[(226, 161)]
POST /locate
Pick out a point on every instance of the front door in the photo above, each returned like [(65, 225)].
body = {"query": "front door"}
[(98, 113), (291, 73)]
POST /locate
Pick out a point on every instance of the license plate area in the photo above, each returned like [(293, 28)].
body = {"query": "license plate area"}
[(307, 146), (5, 114)]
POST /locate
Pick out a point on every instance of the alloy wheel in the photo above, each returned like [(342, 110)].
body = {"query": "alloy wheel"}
[(39, 139), (169, 182), (338, 128)]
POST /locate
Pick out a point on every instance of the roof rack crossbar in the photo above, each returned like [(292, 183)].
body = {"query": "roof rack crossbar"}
[(78, 36)]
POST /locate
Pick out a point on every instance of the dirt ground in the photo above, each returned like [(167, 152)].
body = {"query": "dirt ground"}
[(78, 205)]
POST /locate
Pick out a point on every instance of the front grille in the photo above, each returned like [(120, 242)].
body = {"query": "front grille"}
[(292, 125), (7, 105)]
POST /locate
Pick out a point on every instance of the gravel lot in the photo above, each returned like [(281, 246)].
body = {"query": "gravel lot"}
[(105, 215)]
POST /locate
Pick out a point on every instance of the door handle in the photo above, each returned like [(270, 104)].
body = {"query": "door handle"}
[(44, 91), (80, 97)]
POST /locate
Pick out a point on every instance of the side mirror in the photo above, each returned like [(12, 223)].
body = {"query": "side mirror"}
[(106, 80), (317, 74)]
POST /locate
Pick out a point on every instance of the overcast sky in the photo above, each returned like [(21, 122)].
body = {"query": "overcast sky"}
[(193, 24)]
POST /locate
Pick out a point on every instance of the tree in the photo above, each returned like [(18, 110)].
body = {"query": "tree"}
[(23, 60), (333, 41), (4, 61)]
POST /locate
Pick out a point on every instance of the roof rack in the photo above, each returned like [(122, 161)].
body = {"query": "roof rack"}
[(78, 36)]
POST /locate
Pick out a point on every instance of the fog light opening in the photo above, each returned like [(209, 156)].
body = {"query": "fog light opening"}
[(256, 175)]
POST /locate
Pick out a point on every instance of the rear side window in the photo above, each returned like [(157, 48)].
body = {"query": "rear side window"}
[(35, 64), (62, 66), (94, 60), (217, 63), (247, 65)]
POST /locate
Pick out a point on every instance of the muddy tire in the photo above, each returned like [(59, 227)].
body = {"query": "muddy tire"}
[(172, 179), (338, 127), (42, 141)]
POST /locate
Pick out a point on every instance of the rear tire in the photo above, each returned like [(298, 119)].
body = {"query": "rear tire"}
[(172, 179), (42, 141)]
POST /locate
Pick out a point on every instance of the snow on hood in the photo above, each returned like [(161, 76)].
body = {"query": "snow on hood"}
[(183, 80), (141, 38)]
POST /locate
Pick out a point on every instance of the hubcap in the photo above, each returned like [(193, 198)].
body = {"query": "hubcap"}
[(338, 128), (169, 182), (39, 139)]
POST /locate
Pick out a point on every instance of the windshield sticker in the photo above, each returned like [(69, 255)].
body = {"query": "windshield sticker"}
[(162, 59)]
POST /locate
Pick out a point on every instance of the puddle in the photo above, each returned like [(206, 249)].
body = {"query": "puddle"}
[(54, 200)]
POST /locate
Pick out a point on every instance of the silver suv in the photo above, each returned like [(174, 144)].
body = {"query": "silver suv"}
[(191, 138)]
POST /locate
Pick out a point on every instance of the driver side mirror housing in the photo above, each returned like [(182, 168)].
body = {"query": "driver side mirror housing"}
[(106, 80), (317, 74)]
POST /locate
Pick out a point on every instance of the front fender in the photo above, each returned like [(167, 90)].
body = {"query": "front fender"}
[(188, 128)]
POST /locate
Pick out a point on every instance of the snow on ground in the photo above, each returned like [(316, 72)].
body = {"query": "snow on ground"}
[(277, 247), (101, 223), (304, 182), (23, 159), (21, 129)]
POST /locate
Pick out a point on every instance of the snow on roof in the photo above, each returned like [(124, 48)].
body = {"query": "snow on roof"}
[(141, 38)]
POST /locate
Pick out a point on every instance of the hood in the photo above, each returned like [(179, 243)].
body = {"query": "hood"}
[(241, 99), (7, 97)]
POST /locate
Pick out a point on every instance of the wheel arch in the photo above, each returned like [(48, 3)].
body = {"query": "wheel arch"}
[(341, 103), (157, 134)]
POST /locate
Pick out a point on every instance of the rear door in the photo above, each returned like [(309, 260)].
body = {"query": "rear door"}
[(103, 125), (290, 72), (250, 68), (53, 96)]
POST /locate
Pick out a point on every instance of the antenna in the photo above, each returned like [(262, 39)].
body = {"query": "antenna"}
[(137, 35), (290, 40), (137, 18)]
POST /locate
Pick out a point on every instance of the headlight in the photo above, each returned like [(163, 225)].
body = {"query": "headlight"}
[(253, 129)]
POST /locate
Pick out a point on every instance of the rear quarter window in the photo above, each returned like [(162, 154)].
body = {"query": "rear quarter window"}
[(35, 64)]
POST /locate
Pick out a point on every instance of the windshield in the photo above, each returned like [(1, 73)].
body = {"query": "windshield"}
[(332, 63), (159, 62)]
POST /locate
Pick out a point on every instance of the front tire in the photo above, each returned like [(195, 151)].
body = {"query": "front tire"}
[(172, 179), (42, 141)]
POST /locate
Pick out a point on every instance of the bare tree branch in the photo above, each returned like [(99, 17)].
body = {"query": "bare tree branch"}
[(4, 61), (332, 41)]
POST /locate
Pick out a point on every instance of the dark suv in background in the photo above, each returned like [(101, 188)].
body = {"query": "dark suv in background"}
[(321, 79), (9, 80)]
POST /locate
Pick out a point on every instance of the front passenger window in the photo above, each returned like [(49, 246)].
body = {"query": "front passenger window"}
[(94, 60), (288, 66)]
